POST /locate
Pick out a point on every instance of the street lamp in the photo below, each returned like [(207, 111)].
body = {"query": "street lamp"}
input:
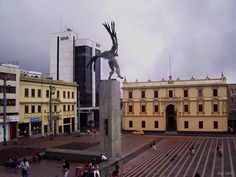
[(4, 110), (51, 92)]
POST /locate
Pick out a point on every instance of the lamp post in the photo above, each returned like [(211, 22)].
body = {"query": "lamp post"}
[(78, 110), (51, 92), (4, 110)]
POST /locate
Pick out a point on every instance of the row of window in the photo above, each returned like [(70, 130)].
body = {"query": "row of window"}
[(7, 76), (39, 93), (200, 124), (9, 89), (170, 93), (55, 108), (186, 108), (186, 124), (9, 102)]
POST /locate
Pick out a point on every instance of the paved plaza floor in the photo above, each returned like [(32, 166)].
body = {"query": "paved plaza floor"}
[(170, 159)]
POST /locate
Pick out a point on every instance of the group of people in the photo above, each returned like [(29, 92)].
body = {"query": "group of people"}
[(12, 162), (36, 156), (90, 169)]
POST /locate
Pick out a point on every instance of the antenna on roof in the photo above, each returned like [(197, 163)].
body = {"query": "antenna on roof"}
[(170, 77)]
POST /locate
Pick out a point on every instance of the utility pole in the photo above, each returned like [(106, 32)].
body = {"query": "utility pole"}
[(5, 110), (78, 109), (51, 92)]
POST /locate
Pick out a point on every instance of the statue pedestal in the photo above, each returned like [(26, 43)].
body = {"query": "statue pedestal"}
[(110, 121)]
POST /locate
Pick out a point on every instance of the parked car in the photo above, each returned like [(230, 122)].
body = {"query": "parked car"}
[(138, 132)]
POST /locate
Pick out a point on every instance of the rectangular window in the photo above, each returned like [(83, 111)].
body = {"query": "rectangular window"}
[(68, 107), (200, 124), (215, 107), (47, 93), (215, 124), (156, 124), (64, 94), (155, 94), (142, 94), (33, 93), (10, 102), (200, 108), (185, 108), (130, 94), (170, 93), (143, 108), (26, 92), (8, 76), (39, 109), (200, 93), (58, 94), (130, 124), (64, 107), (156, 108), (10, 89), (185, 124), (72, 95), (215, 92), (73, 107), (39, 93), (185, 93), (26, 109), (130, 108), (68, 94), (32, 109), (143, 124), (55, 108)]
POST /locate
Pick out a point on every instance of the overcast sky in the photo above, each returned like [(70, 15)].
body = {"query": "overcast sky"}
[(200, 35)]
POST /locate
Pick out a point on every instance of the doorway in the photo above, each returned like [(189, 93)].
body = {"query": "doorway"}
[(171, 118)]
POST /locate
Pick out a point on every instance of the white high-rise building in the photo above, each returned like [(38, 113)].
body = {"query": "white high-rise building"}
[(69, 57), (62, 55)]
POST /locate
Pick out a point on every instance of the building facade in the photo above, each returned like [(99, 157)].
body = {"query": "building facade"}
[(35, 119), (69, 56), (11, 75), (176, 105), (232, 105)]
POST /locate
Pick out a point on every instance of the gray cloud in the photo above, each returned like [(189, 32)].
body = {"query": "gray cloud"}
[(199, 35)]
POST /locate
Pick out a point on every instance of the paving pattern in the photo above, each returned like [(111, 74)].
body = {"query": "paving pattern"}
[(172, 158)]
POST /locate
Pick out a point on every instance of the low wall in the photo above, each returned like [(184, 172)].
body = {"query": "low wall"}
[(72, 155)]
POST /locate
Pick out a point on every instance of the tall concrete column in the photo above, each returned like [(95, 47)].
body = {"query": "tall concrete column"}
[(110, 128)]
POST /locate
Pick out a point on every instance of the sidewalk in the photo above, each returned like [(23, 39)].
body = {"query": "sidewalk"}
[(52, 168)]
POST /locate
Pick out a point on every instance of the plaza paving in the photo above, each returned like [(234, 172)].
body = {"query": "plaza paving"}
[(170, 159)]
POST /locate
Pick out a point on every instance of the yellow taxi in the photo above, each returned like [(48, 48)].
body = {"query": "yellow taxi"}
[(138, 132)]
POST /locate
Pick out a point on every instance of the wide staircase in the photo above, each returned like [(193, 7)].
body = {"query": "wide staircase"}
[(172, 158)]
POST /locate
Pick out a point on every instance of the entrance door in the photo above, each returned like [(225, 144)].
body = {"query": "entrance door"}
[(171, 124), (55, 128), (13, 127)]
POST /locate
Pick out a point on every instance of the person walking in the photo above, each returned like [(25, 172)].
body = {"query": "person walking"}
[(65, 167), (24, 168)]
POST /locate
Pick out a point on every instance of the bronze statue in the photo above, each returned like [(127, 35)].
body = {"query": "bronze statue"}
[(111, 54)]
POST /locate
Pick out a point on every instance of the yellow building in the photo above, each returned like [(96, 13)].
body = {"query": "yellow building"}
[(35, 106), (180, 105)]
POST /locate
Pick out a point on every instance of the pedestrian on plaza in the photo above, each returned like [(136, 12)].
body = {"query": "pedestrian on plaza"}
[(219, 150), (150, 146), (24, 168), (197, 175), (103, 157), (154, 146), (116, 172), (65, 167)]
